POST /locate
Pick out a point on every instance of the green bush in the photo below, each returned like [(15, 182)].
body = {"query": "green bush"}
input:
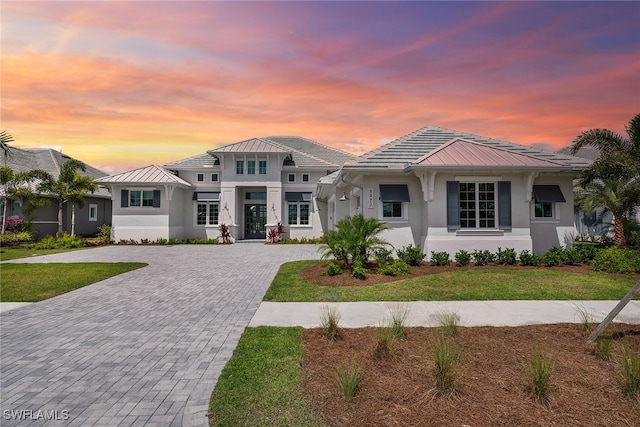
[(65, 241), (401, 267), (104, 234), (383, 256), (440, 258), (13, 238), (530, 259), (554, 256), (586, 251), (411, 254), (359, 272), (572, 257), (506, 257), (333, 269), (388, 270), (462, 258), (617, 260), (482, 257)]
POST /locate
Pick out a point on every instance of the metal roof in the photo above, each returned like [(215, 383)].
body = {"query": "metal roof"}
[(152, 174), (319, 151), (415, 146), (254, 145), (205, 160)]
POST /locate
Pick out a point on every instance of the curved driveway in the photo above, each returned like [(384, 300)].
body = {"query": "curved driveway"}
[(142, 348)]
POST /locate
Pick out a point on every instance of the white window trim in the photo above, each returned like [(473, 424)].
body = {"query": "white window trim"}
[(496, 208), (403, 218), (95, 207), (244, 166), (256, 167), (141, 190), (298, 225), (555, 219), (266, 166), (195, 214)]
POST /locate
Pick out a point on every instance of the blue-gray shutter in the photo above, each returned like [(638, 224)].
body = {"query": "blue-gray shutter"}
[(453, 205), (156, 198), (504, 205), (124, 199)]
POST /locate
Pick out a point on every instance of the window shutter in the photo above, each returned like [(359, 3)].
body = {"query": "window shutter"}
[(504, 205), (453, 205), (124, 199), (156, 198)]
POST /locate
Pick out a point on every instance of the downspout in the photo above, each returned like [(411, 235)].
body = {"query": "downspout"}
[(361, 193)]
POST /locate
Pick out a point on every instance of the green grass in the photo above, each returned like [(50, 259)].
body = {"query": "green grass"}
[(473, 284), (37, 282), (15, 252), (262, 383)]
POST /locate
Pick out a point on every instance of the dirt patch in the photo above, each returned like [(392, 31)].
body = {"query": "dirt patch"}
[(491, 384), (316, 273)]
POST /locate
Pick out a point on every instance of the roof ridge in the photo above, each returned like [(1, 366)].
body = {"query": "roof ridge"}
[(314, 142)]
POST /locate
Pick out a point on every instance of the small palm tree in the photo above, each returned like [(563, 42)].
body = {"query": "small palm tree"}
[(17, 186), (353, 239), (70, 187)]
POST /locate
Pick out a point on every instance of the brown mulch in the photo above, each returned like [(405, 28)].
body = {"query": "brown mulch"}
[(315, 273), (491, 387)]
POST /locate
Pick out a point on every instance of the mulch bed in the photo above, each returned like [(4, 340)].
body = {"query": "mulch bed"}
[(491, 383)]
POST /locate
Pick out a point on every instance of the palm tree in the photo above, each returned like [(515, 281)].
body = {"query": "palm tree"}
[(613, 179), (70, 187), (353, 239), (17, 186), (5, 140)]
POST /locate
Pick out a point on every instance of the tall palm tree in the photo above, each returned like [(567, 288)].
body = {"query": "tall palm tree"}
[(17, 186), (613, 195), (5, 140), (70, 187), (613, 179)]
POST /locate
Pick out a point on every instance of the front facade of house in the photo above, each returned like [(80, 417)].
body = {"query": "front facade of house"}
[(249, 186), (440, 189), (95, 211)]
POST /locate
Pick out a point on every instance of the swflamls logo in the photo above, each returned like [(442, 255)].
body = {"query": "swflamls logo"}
[(40, 414)]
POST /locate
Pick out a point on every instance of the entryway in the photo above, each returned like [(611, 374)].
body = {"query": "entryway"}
[(255, 221)]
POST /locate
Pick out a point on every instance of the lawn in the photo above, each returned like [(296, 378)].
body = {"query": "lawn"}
[(475, 283), (262, 385), (36, 282), (15, 252)]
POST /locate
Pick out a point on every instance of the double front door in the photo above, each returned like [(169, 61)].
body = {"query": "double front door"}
[(255, 221)]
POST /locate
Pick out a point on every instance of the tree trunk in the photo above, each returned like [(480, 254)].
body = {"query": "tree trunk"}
[(4, 213), (59, 218), (619, 231), (73, 219)]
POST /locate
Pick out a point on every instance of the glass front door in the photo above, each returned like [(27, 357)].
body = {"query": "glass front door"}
[(255, 221)]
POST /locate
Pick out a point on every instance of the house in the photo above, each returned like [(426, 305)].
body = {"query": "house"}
[(95, 211), (250, 186), (441, 189), (446, 190)]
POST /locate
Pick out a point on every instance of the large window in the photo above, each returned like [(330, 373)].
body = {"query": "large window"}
[(239, 167), (251, 167), (477, 205), (298, 213), (139, 198), (262, 167), (207, 213)]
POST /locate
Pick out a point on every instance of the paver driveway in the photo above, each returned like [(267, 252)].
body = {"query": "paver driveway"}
[(142, 348)]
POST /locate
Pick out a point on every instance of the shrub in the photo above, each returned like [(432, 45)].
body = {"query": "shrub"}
[(104, 234), (329, 322), (383, 256), (411, 254), (13, 238), (529, 259), (572, 257), (353, 239), (462, 258), (401, 267), (359, 272), (388, 270), (348, 378), (225, 233), (482, 257), (539, 370), (162, 241), (65, 241), (333, 269), (554, 256), (506, 257), (631, 371), (586, 251), (617, 260), (446, 357), (440, 258)]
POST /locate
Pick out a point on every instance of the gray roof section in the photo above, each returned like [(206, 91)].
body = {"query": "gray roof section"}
[(412, 147), (152, 174), (253, 145), (330, 155), (200, 161)]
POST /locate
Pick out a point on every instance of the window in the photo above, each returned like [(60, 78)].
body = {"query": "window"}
[(251, 167), (393, 198), (200, 177), (214, 177), (477, 205), (93, 212), (543, 210), (305, 177), (392, 209), (545, 196), (207, 213), (239, 167), (262, 167), (256, 195), (139, 198), (298, 213), (291, 177)]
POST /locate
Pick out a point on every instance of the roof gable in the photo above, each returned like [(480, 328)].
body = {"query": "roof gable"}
[(462, 153), (152, 174), (254, 145)]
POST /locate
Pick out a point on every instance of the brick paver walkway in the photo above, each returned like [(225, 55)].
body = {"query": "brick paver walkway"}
[(142, 348)]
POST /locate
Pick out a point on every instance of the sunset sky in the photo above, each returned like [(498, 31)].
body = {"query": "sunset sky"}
[(120, 85)]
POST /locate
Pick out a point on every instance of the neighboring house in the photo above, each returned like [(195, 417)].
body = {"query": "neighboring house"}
[(440, 189), (446, 190), (251, 186), (95, 211)]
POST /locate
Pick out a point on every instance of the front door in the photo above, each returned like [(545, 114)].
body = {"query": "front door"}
[(255, 221)]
